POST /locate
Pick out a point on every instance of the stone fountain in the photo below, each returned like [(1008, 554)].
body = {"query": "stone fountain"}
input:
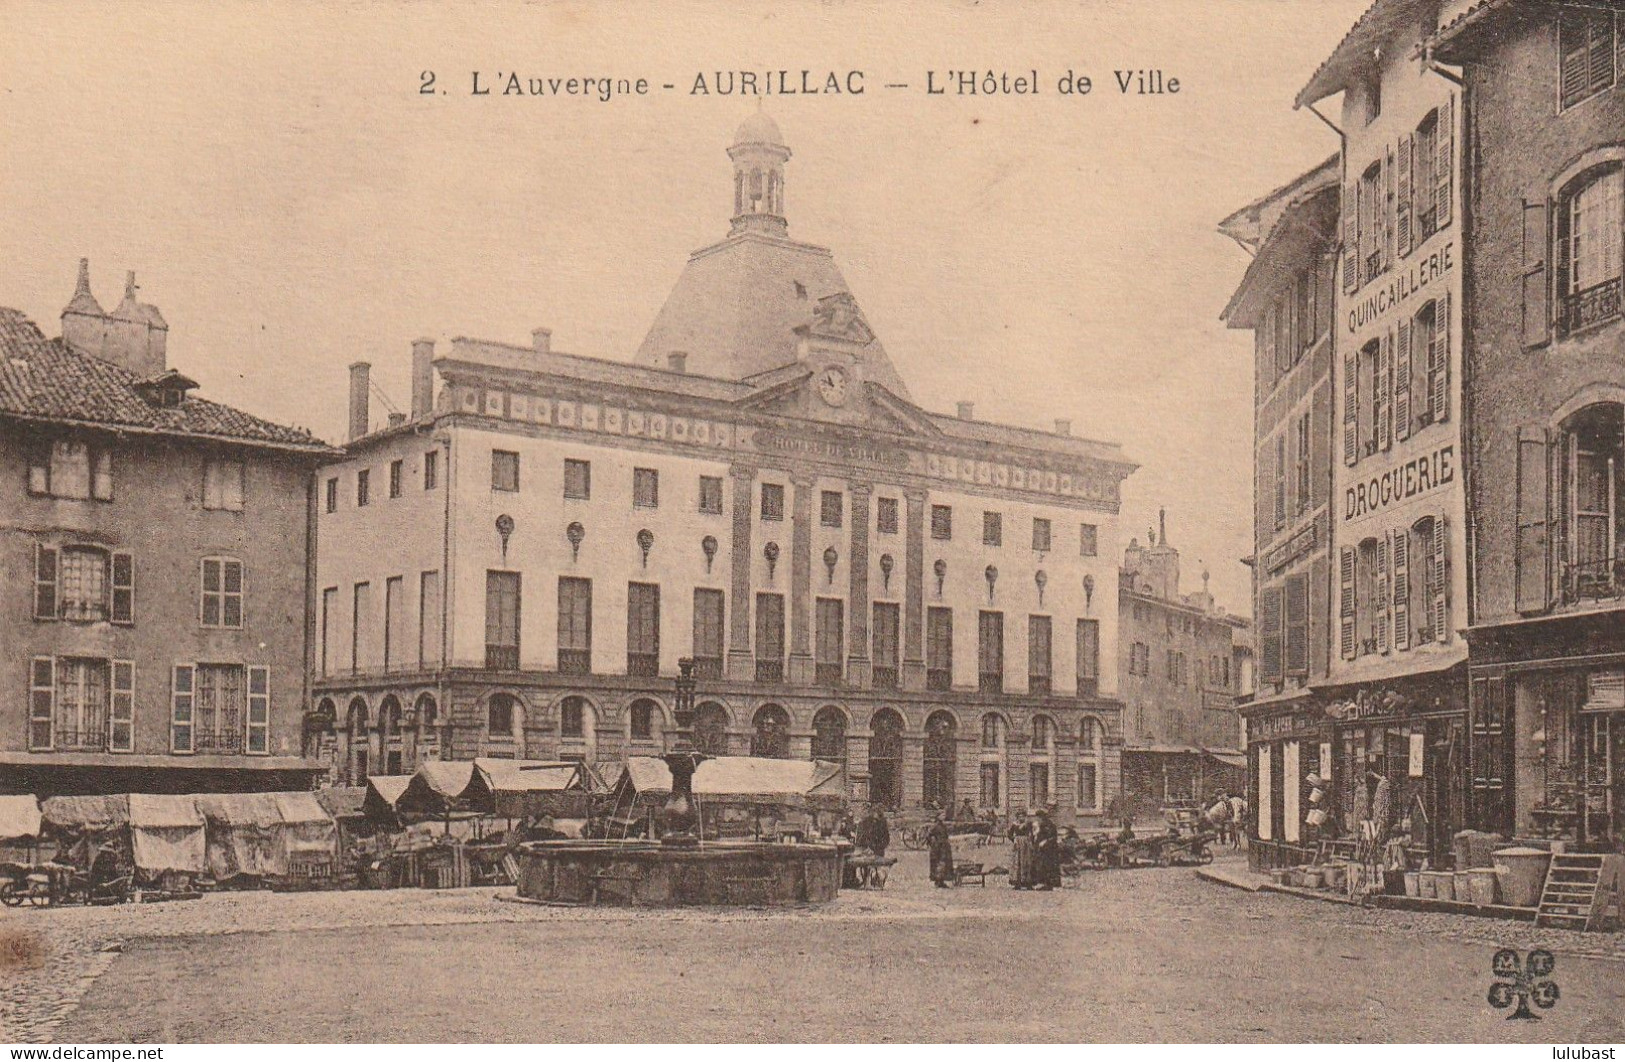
[(680, 869)]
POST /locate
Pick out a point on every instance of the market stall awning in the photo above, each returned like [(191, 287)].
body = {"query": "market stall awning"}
[(1228, 757), (745, 780), (343, 801), (383, 793), (437, 788), (159, 811), (19, 818), (167, 833), (81, 813), (240, 809), (519, 788)]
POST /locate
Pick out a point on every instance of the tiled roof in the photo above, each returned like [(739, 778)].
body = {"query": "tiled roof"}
[(43, 379), (1380, 23)]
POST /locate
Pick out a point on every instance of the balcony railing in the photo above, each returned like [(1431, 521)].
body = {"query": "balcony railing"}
[(884, 678), (827, 674), (502, 658), (770, 671), (644, 665), (79, 740), (1590, 306), (939, 678), (1038, 684), (1088, 687), (1595, 580), (224, 739), (990, 682), (708, 667), (573, 661)]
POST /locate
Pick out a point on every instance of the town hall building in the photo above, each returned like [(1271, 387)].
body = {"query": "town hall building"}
[(516, 567)]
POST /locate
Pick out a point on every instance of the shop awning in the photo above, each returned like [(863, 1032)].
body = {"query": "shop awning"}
[(1426, 660), (517, 788), (159, 811), (1228, 757), (92, 813), (240, 809), (19, 818)]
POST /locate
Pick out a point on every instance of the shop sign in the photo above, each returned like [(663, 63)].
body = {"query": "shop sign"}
[(1417, 750), (1399, 290), (1605, 691), (1293, 548), (1401, 483), (1285, 725)]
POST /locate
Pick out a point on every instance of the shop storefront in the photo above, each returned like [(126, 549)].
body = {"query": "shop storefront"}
[(1287, 741), (1412, 735), (1548, 726)]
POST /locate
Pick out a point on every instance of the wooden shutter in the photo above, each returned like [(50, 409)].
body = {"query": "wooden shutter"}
[(1439, 360), (1402, 379), (1269, 348), (1532, 548), (41, 702), (259, 711), (1489, 754), (1381, 594), (1389, 171), (1351, 237), (45, 582), (1383, 386), (1537, 306), (1269, 617), (1402, 203), (1345, 609), (121, 708), (123, 587), (1297, 625), (181, 705), (1444, 140), (1351, 409), (1601, 48), (1280, 480), (1441, 580), (1399, 572)]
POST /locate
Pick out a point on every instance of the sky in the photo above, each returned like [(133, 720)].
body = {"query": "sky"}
[(293, 202)]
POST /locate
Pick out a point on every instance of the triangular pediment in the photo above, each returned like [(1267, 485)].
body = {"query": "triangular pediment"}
[(792, 392)]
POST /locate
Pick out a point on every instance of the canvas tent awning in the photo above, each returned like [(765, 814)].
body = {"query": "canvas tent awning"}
[(86, 814), (745, 780), (343, 801), (519, 788), (437, 788), (19, 818), (383, 793), (167, 833), (1229, 757), (259, 833)]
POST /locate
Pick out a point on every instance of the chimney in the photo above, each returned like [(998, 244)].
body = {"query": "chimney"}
[(677, 361), (84, 324), (541, 339), (967, 411), (1162, 526), (422, 377), (1063, 426), (360, 381)]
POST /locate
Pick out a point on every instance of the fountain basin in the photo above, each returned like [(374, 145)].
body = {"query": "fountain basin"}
[(648, 874)]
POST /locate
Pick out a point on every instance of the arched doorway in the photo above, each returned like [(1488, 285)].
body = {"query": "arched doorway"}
[(711, 729), (1041, 762), (578, 729), (643, 720), (428, 723), (356, 750), (1090, 741), (389, 735), (886, 759), (941, 731), (829, 735), (995, 740), (770, 733)]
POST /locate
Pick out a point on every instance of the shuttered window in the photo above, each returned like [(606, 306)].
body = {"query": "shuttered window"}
[(257, 740), (1438, 378), (1297, 625), (642, 629), (1532, 549), (708, 627), (1537, 312), (1347, 645), (1586, 55), (990, 651), (1269, 633)]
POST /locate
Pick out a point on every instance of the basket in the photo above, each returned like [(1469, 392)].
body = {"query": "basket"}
[(1444, 885), (1413, 883), (1481, 884), (1424, 885)]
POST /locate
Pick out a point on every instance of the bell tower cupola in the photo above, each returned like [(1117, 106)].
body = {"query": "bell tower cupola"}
[(759, 155)]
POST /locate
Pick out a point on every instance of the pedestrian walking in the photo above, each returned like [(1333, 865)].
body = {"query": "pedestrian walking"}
[(1047, 846), (873, 833), (1024, 856), (940, 850), (1238, 817)]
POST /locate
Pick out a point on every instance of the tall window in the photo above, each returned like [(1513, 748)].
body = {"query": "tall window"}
[(829, 508), (829, 735), (769, 637), (222, 593), (360, 623), (830, 642), (886, 516), (71, 469), (1039, 653), (363, 487), (770, 734), (502, 620), (941, 740), (642, 629), (1088, 540), (1296, 625), (991, 761), (500, 715), (990, 652), (220, 708), (711, 729), (886, 759), (575, 625), (1301, 464), (1590, 247), (428, 619), (1424, 181), (574, 715), (333, 494), (1041, 760), (939, 648), (942, 522), (1090, 740), (773, 501), (504, 470), (642, 719), (1589, 462), (1371, 214), (223, 485), (396, 468), (992, 529), (1367, 594), (645, 488), (81, 687), (1088, 649), (577, 479), (1041, 529), (708, 627), (1586, 53), (711, 494), (431, 469), (883, 632)]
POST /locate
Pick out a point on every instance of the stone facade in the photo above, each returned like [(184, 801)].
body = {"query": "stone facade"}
[(801, 529)]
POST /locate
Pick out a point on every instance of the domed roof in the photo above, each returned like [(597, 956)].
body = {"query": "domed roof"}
[(759, 129)]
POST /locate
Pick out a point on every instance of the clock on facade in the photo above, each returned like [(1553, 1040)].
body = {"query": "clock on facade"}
[(832, 386)]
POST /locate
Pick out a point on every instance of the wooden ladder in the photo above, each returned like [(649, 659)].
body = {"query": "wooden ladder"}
[(1582, 892)]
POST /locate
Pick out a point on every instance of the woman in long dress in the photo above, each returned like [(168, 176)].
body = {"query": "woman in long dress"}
[(941, 851), (1024, 858)]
